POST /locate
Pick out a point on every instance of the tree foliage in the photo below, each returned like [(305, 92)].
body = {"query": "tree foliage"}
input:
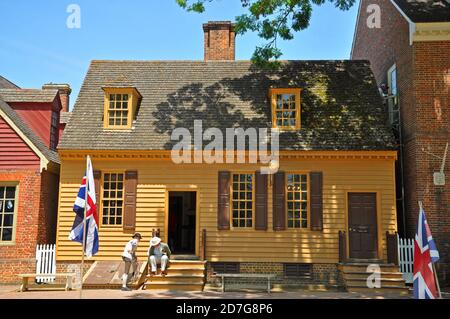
[(271, 20)]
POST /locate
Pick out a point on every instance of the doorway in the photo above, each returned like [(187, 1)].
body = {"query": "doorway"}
[(362, 225), (182, 222)]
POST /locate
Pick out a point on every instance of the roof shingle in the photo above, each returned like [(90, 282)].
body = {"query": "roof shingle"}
[(341, 108), (28, 95), (426, 10)]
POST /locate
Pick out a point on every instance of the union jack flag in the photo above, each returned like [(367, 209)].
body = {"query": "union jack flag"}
[(91, 239), (425, 254)]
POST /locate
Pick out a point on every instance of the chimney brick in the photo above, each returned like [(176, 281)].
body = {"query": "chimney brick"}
[(64, 93), (219, 40)]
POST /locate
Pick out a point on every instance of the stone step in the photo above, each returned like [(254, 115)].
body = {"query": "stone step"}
[(164, 285)]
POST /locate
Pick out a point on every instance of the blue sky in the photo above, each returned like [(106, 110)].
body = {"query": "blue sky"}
[(36, 47)]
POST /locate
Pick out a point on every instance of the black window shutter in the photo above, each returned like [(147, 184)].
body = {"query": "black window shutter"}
[(129, 217), (279, 201), (261, 201), (316, 184), (223, 200)]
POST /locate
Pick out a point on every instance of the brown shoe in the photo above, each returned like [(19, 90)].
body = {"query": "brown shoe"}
[(153, 273), (163, 273)]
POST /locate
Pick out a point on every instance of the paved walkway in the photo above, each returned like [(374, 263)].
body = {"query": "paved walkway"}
[(10, 292)]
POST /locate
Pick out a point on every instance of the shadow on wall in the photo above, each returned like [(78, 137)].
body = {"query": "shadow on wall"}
[(340, 106)]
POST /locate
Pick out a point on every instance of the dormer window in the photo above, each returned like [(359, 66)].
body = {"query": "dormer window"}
[(285, 108), (120, 107)]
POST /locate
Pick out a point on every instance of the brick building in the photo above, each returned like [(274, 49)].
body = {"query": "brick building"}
[(411, 64), (29, 173)]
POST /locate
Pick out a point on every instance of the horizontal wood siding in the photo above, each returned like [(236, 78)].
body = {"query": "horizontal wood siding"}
[(244, 245), (14, 152)]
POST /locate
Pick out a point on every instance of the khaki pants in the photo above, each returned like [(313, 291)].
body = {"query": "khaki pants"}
[(129, 264), (154, 261)]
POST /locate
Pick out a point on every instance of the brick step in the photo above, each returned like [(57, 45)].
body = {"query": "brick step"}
[(175, 278), (164, 285)]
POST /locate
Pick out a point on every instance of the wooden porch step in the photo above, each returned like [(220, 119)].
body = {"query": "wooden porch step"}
[(183, 271), (394, 290), (389, 282), (169, 285), (191, 264), (362, 267), (364, 275), (176, 278)]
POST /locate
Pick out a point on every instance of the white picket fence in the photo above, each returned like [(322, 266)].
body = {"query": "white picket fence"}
[(406, 257), (45, 262)]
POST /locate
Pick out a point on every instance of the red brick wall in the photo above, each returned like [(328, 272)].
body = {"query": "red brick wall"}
[(423, 80), (19, 256), (219, 40), (35, 220), (432, 97)]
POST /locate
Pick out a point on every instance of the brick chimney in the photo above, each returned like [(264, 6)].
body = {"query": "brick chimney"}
[(64, 93), (219, 40)]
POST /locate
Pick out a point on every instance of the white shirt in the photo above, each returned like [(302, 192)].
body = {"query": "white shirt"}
[(130, 249)]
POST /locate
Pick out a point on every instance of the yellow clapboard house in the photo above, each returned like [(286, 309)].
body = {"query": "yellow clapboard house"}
[(331, 202)]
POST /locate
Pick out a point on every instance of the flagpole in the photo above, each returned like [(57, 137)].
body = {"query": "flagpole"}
[(84, 228), (437, 281)]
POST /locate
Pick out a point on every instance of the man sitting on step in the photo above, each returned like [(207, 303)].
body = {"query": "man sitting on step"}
[(158, 254)]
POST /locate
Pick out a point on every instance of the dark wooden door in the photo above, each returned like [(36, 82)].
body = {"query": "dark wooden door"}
[(362, 225)]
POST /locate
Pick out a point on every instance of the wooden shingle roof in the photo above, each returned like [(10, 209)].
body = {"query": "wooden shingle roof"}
[(28, 95), (425, 10), (341, 108)]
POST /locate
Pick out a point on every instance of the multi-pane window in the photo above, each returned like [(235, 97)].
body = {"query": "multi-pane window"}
[(113, 198), (118, 110), (54, 131), (242, 200), (7, 209), (297, 200), (285, 108), (286, 111)]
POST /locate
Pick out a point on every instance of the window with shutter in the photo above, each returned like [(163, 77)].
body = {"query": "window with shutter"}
[(112, 198), (242, 200), (297, 200)]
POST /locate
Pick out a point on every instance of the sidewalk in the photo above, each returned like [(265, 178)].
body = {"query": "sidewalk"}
[(10, 292)]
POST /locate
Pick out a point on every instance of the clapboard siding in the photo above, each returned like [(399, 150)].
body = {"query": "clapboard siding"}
[(14, 152), (300, 246)]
